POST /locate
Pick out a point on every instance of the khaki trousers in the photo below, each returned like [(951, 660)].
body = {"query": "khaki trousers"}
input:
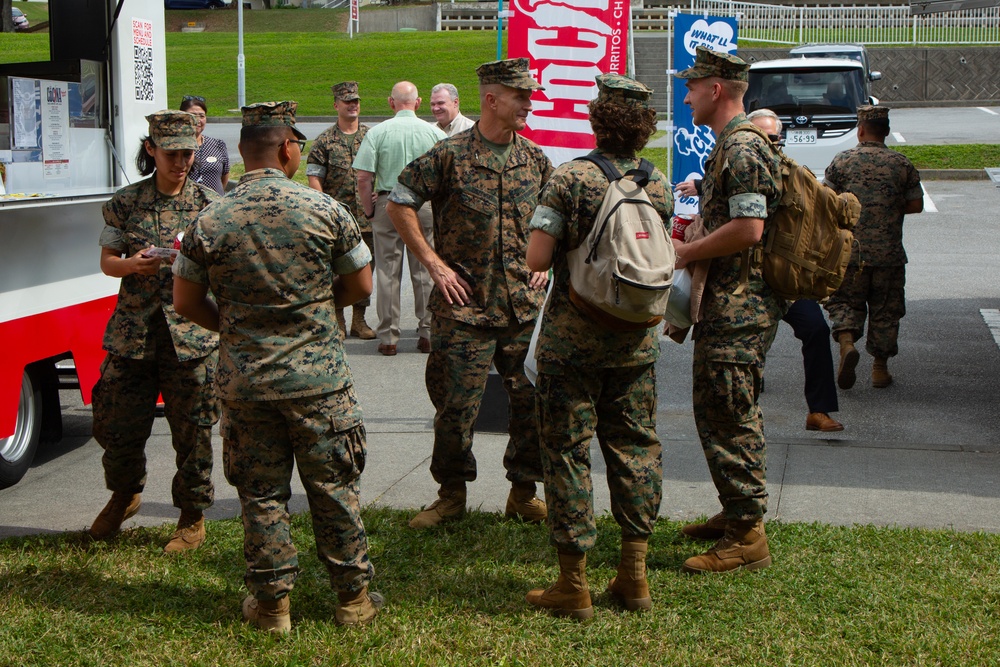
[(389, 248)]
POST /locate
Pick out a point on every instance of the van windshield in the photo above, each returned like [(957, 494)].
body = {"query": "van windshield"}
[(803, 91)]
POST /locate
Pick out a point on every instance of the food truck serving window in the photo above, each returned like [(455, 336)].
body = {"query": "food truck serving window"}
[(53, 133)]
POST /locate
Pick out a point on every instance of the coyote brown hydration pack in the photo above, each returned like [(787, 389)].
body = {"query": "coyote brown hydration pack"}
[(807, 239), (621, 273)]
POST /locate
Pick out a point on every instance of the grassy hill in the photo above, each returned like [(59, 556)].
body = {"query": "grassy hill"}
[(298, 54)]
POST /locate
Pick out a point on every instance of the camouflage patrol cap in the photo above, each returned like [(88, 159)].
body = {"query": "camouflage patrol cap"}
[(173, 130), (345, 91), (713, 63), (619, 89), (513, 73), (272, 113), (877, 113)]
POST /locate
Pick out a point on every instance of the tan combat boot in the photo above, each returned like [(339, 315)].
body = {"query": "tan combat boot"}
[(450, 504), (341, 323), (744, 547), (269, 615), (629, 587), (360, 328), (357, 608), (881, 378), (190, 533), (121, 506), (524, 504), (849, 356), (712, 529), (569, 596)]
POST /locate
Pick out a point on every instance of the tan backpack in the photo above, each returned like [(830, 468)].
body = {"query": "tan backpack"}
[(807, 239), (621, 273)]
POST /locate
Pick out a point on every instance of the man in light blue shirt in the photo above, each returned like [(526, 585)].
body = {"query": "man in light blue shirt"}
[(385, 151)]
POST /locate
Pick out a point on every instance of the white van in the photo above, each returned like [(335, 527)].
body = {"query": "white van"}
[(817, 101)]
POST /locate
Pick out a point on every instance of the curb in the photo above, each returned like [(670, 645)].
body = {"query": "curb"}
[(954, 175)]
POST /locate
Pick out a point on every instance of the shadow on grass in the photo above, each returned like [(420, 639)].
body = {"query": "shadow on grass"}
[(483, 564)]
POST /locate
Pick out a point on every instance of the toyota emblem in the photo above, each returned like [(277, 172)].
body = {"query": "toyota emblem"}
[(801, 120)]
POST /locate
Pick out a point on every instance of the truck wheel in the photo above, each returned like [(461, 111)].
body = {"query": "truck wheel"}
[(18, 450)]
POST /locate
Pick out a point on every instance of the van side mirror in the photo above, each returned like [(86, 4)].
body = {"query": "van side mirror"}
[(874, 76)]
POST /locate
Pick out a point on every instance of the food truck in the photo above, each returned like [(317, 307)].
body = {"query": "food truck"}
[(69, 131)]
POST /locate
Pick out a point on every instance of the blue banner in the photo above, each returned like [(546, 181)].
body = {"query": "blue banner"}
[(693, 144)]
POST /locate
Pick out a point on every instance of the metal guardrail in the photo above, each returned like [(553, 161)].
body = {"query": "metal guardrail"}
[(870, 25), (784, 24)]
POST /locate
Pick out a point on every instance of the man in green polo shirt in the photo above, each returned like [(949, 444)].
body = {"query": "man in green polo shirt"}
[(385, 150)]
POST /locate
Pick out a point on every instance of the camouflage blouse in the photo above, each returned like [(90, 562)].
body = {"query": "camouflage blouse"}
[(883, 181), (269, 252), (567, 212), (330, 159), (737, 324), (481, 212), (136, 217)]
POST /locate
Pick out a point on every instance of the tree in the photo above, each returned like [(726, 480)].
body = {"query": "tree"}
[(8, 18)]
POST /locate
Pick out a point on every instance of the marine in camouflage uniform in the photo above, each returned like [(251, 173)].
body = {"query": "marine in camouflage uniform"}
[(739, 319), (483, 194), (151, 349), (329, 170), (592, 379), (888, 187), (276, 255)]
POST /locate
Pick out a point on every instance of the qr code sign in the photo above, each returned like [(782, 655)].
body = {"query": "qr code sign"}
[(142, 47)]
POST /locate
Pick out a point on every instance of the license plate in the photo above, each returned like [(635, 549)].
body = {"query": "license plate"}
[(799, 137)]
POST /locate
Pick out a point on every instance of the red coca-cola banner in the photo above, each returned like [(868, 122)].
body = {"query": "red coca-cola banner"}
[(568, 45)]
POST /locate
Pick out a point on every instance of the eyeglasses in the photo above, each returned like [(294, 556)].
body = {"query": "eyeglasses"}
[(300, 142), (193, 98)]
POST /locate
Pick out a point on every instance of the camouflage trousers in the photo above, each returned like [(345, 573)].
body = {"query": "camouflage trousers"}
[(325, 437), (731, 428), (457, 368), (619, 405), (878, 294), (124, 405)]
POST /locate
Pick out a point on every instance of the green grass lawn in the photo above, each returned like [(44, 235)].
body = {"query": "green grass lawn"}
[(303, 66), (455, 596), (960, 156)]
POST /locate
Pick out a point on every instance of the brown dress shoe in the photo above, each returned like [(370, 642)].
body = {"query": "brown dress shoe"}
[(820, 421), (424, 345), (387, 350)]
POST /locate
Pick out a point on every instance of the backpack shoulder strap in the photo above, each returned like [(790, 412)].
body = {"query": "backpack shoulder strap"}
[(749, 253), (641, 174), (610, 170)]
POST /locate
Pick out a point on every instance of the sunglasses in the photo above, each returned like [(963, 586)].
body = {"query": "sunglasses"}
[(193, 98)]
